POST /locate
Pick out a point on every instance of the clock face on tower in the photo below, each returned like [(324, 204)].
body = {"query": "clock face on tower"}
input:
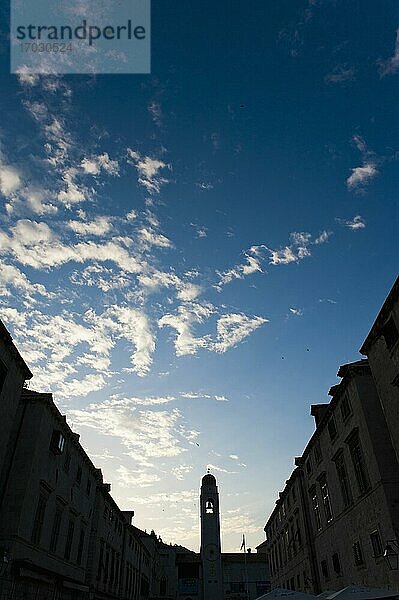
[(211, 552)]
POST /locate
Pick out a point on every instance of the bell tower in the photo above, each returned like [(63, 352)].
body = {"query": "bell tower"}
[(210, 539)]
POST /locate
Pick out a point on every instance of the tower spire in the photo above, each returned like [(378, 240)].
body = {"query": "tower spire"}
[(210, 538)]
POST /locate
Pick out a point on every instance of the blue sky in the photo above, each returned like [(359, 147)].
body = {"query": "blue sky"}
[(187, 257)]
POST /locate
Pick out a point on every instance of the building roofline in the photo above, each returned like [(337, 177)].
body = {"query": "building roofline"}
[(6, 336), (381, 317), (47, 399), (344, 372)]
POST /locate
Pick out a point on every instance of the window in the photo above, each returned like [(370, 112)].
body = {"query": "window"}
[(326, 500), (88, 486), (336, 563), (39, 519), (316, 509), (3, 375), (100, 565), (376, 543), (332, 428), (317, 452), (162, 587), (79, 474), (346, 409), (362, 478), (80, 546), (324, 568), (343, 479), (67, 462), (298, 533), (357, 554), (57, 443), (209, 508), (390, 333), (55, 532), (69, 540)]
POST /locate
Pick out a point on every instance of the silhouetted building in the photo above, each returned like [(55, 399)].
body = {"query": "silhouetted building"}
[(211, 574), (339, 509), (61, 533), (382, 349)]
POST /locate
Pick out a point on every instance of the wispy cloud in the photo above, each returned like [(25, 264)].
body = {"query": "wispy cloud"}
[(233, 329), (340, 74), (298, 248), (391, 65), (362, 175), (183, 322), (149, 433), (149, 169), (356, 222)]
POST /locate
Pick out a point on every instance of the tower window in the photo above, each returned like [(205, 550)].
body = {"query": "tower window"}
[(209, 507)]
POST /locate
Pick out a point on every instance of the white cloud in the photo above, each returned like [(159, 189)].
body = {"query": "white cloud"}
[(391, 66), (130, 478), (100, 226), (181, 471), (239, 523), (35, 244), (12, 277), (145, 433), (149, 171), (26, 77), (152, 281), (298, 248), (95, 164), (233, 328), (183, 322), (199, 230), (135, 327), (150, 401), (284, 256), (220, 469), (356, 223), (202, 396), (151, 238), (361, 175), (323, 237), (240, 271), (10, 180)]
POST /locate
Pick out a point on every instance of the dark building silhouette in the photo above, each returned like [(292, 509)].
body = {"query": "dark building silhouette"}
[(212, 574), (339, 509), (62, 535)]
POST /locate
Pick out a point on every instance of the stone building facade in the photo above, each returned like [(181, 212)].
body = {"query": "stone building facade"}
[(346, 483), (62, 535), (382, 350)]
